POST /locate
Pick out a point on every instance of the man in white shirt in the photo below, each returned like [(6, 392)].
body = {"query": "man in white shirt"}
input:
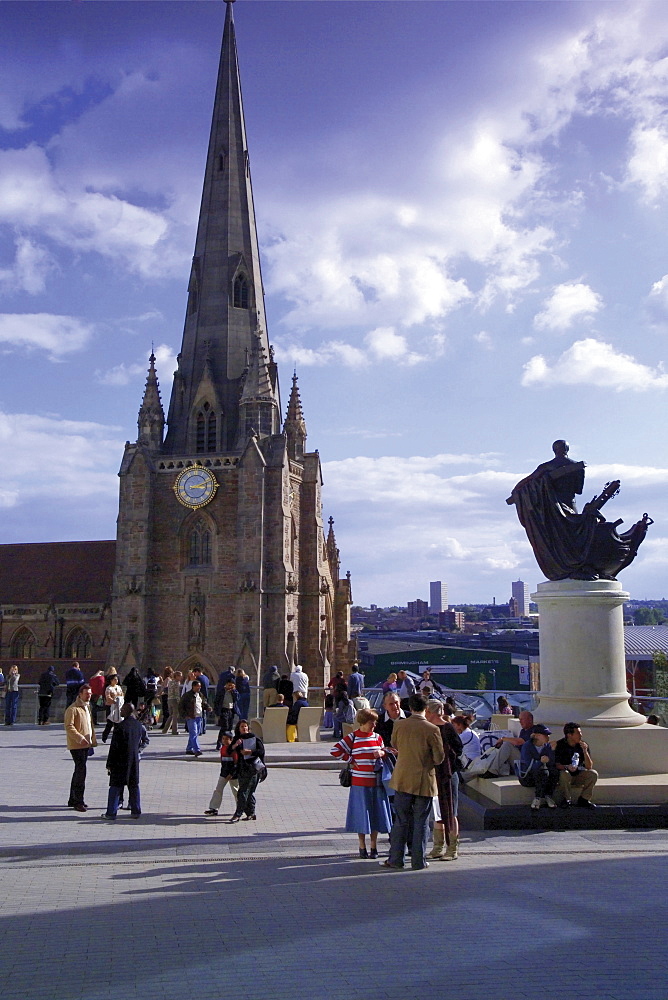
[(470, 740), (299, 681)]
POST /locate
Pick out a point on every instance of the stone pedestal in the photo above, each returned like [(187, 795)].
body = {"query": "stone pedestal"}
[(583, 676)]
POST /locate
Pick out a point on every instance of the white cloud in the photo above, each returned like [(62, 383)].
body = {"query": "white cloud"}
[(123, 374), (656, 303), (568, 302), (492, 193), (33, 198), (68, 458), (648, 164), (484, 339), (383, 344), (592, 362), (399, 517), (388, 345), (403, 521), (32, 264), (328, 352), (58, 335)]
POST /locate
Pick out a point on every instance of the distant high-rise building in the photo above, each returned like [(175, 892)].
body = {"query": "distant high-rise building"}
[(418, 609), (521, 596), (438, 597), (451, 619)]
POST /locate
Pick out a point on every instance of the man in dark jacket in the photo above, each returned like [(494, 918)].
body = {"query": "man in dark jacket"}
[(48, 682), (123, 762), (73, 681), (227, 677), (135, 687), (193, 706)]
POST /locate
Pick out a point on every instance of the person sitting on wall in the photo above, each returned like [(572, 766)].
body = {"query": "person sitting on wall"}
[(510, 746), (293, 716), (470, 740), (537, 770), (286, 688), (575, 766)]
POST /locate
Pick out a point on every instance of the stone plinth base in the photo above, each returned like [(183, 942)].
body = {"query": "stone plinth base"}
[(624, 752), (582, 661)]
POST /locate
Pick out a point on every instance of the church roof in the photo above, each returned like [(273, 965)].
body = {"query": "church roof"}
[(62, 572)]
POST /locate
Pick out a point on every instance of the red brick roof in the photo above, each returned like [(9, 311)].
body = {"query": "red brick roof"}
[(63, 572)]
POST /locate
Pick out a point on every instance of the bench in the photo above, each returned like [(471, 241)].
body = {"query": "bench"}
[(271, 729), (308, 725)]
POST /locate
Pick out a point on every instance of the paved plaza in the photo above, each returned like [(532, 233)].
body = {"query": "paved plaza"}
[(178, 905)]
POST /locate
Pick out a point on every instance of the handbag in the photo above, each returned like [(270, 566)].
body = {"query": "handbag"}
[(346, 773), (260, 768)]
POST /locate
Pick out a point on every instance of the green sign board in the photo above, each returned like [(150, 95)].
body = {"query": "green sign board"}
[(450, 666)]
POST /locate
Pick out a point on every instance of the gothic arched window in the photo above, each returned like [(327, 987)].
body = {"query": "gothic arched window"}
[(22, 644), (206, 430), (241, 298), (79, 644), (199, 545)]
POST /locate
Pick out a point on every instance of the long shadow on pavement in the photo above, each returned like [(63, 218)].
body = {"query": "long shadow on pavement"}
[(335, 929)]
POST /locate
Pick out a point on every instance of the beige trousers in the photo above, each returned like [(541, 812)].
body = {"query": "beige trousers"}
[(583, 782)]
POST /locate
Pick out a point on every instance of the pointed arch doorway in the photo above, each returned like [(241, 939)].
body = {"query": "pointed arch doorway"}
[(203, 662)]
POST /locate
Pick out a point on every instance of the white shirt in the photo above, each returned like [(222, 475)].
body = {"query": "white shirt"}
[(471, 743)]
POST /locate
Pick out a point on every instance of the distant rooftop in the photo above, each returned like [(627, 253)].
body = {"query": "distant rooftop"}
[(641, 641)]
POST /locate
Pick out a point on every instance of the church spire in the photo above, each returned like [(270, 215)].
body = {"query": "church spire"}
[(151, 419), (225, 294), (294, 427)]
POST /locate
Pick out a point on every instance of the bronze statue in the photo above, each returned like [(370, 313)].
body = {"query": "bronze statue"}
[(566, 544)]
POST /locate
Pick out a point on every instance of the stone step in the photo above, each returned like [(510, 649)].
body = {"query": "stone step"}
[(640, 789)]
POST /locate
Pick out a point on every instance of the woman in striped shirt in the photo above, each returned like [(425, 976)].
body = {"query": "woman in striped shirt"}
[(368, 804)]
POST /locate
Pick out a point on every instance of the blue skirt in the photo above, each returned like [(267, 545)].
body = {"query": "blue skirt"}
[(368, 810)]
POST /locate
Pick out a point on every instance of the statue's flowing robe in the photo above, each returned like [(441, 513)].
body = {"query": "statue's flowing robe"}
[(568, 545), (560, 538)]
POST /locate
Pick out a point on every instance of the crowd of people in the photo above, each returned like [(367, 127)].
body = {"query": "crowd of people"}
[(139, 703), (404, 764)]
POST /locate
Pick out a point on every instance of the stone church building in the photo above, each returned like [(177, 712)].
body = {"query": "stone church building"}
[(222, 557)]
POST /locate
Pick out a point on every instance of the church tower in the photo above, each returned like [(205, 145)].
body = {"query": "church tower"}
[(221, 556)]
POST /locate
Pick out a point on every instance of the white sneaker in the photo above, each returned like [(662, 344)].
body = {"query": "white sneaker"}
[(535, 804), (550, 803)]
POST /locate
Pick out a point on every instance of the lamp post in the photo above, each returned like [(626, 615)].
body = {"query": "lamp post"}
[(493, 673)]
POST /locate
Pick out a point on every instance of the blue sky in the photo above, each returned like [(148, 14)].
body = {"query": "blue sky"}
[(462, 214)]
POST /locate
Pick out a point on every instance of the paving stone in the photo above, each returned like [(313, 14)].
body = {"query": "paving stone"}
[(304, 919)]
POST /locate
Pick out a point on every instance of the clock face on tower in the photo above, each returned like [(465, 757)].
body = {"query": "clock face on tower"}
[(195, 486)]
